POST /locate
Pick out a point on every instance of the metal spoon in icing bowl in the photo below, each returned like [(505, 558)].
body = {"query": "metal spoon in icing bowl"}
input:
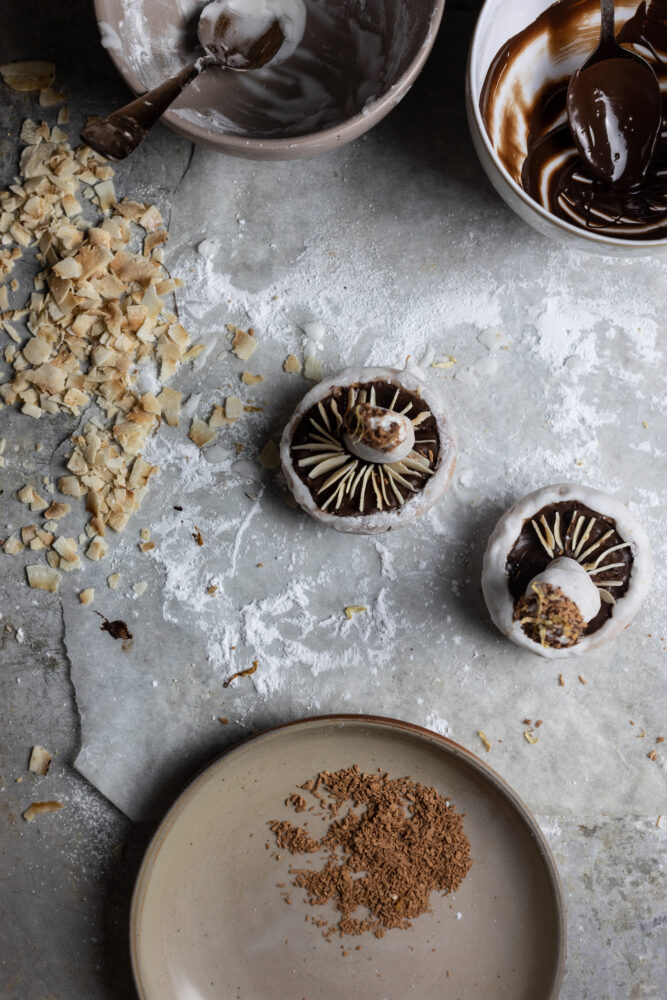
[(235, 35), (614, 108)]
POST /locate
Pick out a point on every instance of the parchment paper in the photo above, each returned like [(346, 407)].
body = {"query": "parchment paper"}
[(552, 381)]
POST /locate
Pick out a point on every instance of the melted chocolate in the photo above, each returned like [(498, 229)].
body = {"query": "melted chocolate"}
[(528, 557), (551, 171), (615, 112), (425, 433)]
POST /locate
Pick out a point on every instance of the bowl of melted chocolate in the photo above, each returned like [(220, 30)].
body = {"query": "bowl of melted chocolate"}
[(521, 60)]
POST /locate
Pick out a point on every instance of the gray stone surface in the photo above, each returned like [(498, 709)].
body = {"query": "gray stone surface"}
[(398, 227)]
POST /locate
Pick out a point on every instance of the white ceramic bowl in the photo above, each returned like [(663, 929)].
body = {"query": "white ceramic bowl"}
[(499, 21)]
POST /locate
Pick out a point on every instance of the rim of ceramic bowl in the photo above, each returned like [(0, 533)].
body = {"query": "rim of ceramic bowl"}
[(498, 782), (311, 142), (636, 246)]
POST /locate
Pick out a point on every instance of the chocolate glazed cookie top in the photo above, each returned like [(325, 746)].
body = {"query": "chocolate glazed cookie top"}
[(352, 487), (572, 529), (551, 171)]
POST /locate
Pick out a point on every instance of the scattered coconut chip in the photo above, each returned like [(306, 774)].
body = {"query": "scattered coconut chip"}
[(113, 580), (140, 588), (244, 343), (269, 456), (354, 609), (291, 364), (147, 546), (87, 596), (447, 362), (42, 577), (312, 370), (97, 549), (529, 736), (48, 97), (249, 379), (57, 510), (40, 808), (233, 408), (201, 433), (26, 495), (170, 403), (28, 75), (40, 761), (145, 534), (13, 545), (485, 740)]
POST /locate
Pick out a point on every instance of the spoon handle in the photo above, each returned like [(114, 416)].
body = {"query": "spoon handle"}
[(607, 36), (117, 135)]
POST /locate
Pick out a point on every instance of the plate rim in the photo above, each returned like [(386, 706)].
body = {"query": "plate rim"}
[(448, 745)]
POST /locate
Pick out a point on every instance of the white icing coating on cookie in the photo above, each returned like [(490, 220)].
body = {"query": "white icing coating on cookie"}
[(494, 572), (574, 582), (414, 506)]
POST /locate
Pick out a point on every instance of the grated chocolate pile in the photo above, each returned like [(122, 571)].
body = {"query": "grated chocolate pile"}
[(399, 842)]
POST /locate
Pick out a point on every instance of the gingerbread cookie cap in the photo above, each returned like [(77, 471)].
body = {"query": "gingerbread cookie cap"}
[(565, 569), (369, 450)]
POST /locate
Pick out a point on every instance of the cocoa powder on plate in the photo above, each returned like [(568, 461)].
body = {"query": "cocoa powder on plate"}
[(397, 843)]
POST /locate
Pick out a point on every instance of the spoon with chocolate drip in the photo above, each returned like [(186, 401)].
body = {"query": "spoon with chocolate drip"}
[(227, 43), (614, 107)]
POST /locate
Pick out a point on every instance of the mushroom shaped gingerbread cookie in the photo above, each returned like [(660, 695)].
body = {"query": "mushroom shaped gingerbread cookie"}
[(368, 450), (566, 568)]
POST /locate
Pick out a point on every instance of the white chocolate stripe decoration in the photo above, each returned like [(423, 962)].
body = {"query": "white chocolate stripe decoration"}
[(554, 546)]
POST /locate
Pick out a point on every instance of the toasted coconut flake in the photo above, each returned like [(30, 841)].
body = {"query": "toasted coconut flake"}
[(170, 402), (201, 433), (269, 456), (244, 344), (249, 379), (97, 549), (113, 580), (40, 761), (57, 510), (48, 97), (140, 588), (28, 75), (42, 577), (87, 596), (291, 364), (233, 407), (313, 370), (13, 545), (218, 418), (40, 809)]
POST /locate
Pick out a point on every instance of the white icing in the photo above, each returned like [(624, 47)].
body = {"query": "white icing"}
[(574, 582), (494, 574), (250, 20)]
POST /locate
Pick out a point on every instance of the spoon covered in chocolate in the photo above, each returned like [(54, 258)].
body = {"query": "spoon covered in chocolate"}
[(240, 35), (614, 109)]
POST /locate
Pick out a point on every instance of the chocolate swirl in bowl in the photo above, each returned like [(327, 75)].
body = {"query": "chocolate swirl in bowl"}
[(531, 134)]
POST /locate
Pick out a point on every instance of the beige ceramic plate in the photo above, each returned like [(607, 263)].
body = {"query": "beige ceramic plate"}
[(209, 922)]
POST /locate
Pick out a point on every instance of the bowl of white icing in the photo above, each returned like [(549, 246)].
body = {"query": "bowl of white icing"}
[(352, 63)]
